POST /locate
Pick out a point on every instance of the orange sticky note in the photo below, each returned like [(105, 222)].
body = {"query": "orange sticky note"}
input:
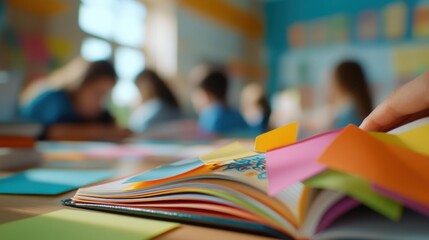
[(393, 167), (277, 138)]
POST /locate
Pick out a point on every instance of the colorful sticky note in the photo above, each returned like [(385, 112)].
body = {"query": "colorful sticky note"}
[(407, 202), (70, 224), (392, 167), (414, 139), (340, 208), (167, 171), (277, 138), (230, 152), (358, 189), (296, 162), (50, 181), (395, 20)]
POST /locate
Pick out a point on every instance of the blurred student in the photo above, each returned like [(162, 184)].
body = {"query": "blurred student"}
[(209, 99), (77, 112), (349, 95), (255, 108), (158, 104), (410, 102)]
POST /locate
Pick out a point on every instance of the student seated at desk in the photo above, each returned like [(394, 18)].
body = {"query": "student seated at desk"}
[(255, 108), (158, 104), (77, 113), (209, 99), (349, 95)]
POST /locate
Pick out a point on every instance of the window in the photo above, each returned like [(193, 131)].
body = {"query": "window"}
[(115, 30)]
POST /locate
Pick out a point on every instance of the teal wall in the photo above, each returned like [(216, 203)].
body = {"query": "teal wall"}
[(279, 14)]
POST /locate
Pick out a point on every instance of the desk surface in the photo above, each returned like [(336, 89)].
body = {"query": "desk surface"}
[(19, 207)]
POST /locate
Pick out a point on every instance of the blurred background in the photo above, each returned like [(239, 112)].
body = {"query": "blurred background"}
[(321, 62)]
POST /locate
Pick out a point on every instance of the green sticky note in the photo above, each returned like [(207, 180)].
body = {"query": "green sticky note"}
[(50, 181), (70, 224), (357, 188)]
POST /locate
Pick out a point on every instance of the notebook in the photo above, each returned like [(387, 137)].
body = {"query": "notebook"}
[(230, 189)]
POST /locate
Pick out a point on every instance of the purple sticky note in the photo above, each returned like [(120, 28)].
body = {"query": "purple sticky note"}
[(296, 162), (340, 208), (423, 209)]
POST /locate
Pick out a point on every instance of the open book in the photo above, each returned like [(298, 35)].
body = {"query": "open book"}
[(228, 189)]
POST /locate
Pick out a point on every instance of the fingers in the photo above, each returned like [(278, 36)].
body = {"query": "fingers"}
[(401, 106)]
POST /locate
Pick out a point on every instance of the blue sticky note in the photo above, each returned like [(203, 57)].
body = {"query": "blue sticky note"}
[(167, 171), (50, 181)]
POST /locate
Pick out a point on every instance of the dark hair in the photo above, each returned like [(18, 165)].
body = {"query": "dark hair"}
[(350, 77), (97, 70), (160, 87), (216, 84)]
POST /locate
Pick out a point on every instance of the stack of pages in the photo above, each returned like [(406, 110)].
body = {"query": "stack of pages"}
[(344, 184)]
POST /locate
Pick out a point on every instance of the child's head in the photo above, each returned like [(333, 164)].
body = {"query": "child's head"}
[(96, 84), (349, 83), (151, 86), (254, 104), (211, 87)]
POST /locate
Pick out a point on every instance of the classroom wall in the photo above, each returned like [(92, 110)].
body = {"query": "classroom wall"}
[(388, 61), (228, 33)]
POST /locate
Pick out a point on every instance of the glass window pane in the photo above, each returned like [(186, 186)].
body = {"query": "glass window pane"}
[(124, 93), (129, 28), (100, 3), (96, 20), (128, 63), (95, 49)]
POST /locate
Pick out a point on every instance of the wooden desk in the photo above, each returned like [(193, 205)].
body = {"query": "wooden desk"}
[(19, 207)]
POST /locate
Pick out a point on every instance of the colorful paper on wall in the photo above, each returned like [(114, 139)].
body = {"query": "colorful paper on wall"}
[(358, 189), (69, 224), (277, 138), (59, 47), (296, 162), (421, 20), (34, 48), (50, 181), (394, 168), (367, 25), (230, 152)]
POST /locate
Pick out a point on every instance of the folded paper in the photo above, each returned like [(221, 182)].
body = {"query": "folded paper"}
[(296, 162), (277, 138), (75, 224), (392, 167)]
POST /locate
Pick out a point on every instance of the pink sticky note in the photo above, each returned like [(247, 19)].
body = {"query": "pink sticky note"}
[(423, 209), (296, 162), (340, 208)]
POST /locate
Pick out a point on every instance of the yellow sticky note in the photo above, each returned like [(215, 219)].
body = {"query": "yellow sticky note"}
[(276, 138), (414, 139), (230, 152), (71, 224)]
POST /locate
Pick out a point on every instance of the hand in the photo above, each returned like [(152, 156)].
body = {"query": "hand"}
[(408, 103)]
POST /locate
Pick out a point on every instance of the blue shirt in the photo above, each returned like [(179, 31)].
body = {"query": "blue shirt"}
[(220, 119), (349, 115), (55, 106)]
